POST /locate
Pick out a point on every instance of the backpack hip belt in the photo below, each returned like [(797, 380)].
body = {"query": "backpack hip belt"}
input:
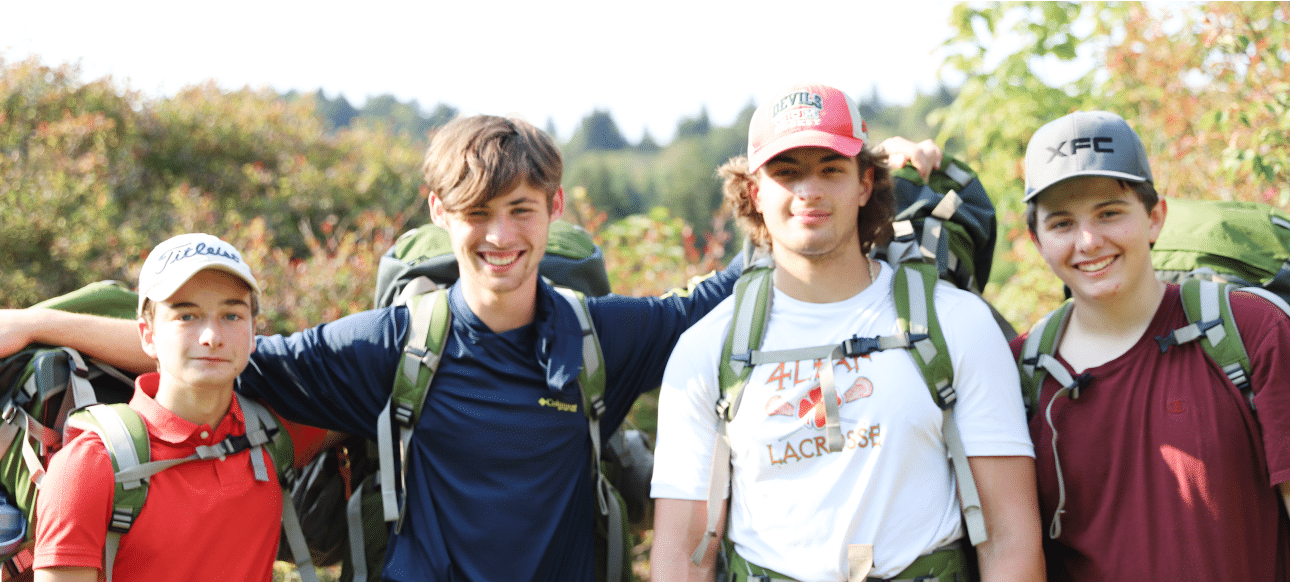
[(945, 564)]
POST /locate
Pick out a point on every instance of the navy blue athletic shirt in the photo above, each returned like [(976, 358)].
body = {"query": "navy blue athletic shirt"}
[(499, 484)]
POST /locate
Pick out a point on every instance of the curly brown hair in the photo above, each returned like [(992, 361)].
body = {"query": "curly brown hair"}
[(873, 223)]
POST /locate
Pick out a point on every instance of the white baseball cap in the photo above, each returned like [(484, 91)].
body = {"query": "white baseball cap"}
[(175, 261)]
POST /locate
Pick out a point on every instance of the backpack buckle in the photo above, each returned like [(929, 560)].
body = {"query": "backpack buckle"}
[(122, 519), (402, 414), (1183, 335), (860, 346)]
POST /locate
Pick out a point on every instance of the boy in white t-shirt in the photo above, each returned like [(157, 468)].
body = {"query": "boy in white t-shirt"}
[(811, 192)]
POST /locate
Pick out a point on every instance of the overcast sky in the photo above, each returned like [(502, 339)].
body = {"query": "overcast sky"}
[(648, 63)]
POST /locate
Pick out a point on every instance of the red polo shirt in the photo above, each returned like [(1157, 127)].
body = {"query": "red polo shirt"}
[(203, 520)]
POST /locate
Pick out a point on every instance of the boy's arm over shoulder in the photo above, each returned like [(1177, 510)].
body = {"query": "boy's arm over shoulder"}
[(74, 506), (637, 334), (112, 340), (336, 375)]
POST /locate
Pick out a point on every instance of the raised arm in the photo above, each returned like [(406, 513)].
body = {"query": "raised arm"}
[(114, 341)]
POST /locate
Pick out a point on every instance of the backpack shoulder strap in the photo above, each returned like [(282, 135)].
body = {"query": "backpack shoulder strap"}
[(1036, 359), (1209, 315), (591, 384), (913, 290), (427, 335), (752, 298), (592, 377), (125, 438), (259, 421)]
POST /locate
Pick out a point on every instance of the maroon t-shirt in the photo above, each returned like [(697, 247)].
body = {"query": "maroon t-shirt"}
[(1168, 473)]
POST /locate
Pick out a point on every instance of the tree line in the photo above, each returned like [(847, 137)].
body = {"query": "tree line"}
[(315, 189)]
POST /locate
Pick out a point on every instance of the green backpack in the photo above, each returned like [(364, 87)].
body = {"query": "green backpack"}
[(54, 393), (1243, 243), (413, 273), (940, 235)]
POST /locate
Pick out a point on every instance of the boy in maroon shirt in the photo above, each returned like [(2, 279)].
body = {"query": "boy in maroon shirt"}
[(1159, 469)]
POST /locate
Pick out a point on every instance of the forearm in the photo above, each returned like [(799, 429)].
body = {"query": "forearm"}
[(114, 341), (66, 575), (679, 525), (1010, 503)]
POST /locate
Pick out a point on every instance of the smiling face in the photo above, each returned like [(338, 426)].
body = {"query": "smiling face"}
[(809, 199), (499, 245), (203, 334), (1095, 234)]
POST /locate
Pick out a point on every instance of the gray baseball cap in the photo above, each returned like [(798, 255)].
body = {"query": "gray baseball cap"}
[(1084, 143)]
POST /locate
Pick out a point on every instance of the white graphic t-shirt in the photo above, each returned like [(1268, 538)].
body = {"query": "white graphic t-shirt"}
[(796, 505)]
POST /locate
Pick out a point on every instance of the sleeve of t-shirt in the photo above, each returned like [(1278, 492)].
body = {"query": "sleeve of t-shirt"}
[(989, 411), (1265, 330), (74, 506), (687, 420), (336, 376)]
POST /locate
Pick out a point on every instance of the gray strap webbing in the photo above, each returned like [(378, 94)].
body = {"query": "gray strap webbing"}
[(385, 450), (718, 484), (405, 442), (393, 499), (79, 380), (758, 357), (608, 503), (110, 546), (968, 495), (918, 318), (963, 177), (415, 287), (1210, 310), (1208, 292), (741, 329), (257, 435), (116, 436), (354, 522), (829, 394), (933, 230), (590, 358), (296, 539)]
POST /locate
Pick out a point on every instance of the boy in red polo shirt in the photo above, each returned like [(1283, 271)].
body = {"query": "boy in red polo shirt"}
[(203, 520)]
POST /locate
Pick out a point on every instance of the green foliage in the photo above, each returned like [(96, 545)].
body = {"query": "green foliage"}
[(65, 169), (1204, 84)]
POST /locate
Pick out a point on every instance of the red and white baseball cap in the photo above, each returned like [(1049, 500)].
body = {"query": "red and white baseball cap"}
[(805, 115)]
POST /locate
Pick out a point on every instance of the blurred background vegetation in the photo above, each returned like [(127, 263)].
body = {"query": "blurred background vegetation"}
[(314, 189)]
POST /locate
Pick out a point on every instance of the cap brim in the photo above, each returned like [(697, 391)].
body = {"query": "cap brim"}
[(1090, 172), (167, 287), (847, 146)]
